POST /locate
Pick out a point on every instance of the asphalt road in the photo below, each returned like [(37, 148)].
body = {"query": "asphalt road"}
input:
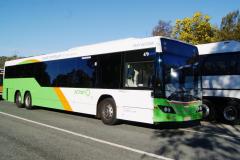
[(41, 134)]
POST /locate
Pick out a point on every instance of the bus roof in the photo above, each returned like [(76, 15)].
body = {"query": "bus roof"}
[(219, 47), (100, 48)]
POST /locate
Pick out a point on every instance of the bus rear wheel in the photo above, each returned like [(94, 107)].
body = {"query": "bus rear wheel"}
[(108, 111), (231, 113), (18, 100), (28, 101)]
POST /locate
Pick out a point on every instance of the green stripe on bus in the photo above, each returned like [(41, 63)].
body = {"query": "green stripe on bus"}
[(41, 96)]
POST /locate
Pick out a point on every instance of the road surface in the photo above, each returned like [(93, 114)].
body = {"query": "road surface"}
[(42, 134)]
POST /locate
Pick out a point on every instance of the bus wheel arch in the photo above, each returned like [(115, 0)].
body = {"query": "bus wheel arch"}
[(18, 99), (107, 110), (28, 100)]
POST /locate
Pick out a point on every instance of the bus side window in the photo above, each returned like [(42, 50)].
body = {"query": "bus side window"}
[(131, 76), (139, 74), (109, 71)]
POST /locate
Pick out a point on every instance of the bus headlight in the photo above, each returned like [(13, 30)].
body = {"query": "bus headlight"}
[(166, 109)]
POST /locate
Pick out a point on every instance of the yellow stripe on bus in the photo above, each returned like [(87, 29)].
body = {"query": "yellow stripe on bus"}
[(30, 61), (63, 99), (33, 60)]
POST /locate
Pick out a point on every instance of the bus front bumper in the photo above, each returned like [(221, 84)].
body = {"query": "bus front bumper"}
[(168, 111)]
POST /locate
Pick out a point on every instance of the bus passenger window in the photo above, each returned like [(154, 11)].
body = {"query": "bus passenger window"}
[(132, 76), (139, 74)]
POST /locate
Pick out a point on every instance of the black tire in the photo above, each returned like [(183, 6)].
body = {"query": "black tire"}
[(209, 112), (18, 100), (231, 113), (28, 101), (108, 112)]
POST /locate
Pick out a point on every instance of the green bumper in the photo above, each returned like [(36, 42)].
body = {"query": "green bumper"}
[(183, 111)]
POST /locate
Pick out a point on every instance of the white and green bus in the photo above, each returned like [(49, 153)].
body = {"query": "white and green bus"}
[(147, 80)]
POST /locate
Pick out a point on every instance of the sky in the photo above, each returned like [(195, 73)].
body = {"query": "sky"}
[(33, 27)]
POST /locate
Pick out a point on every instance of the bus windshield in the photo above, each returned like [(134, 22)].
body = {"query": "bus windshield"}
[(179, 70)]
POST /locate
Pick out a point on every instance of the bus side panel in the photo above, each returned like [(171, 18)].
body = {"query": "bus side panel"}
[(132, 105), (221, 86), (81, 100), (221, 82), (9, 95), (135, 105), (41, 96)]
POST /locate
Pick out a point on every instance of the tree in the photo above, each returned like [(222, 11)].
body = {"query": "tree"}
[(3, 59), (162, 29), (195, 30), (230, 27)]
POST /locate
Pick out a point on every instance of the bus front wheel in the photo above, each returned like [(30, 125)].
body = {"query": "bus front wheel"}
[(108, 111), (28, 101), (18, 100)]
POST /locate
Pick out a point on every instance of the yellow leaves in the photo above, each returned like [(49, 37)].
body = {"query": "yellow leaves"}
[(198, 29), (195, 30)]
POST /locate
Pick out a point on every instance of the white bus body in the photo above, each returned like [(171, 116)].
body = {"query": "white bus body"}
[(220, 69)]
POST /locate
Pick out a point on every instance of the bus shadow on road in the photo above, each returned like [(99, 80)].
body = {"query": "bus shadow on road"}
[(164, 125), (209, 142)]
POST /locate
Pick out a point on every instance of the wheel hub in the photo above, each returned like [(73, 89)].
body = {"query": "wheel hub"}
[(108, 111), (230, 113), (19, 99), (27, 101)]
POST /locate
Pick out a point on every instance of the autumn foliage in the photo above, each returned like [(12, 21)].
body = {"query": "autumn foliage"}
[(198, 28)]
